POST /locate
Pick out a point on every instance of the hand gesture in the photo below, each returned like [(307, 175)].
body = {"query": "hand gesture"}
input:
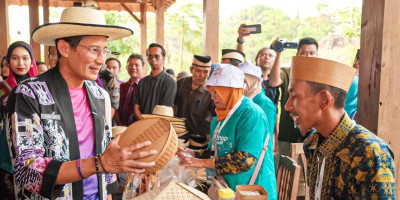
[(118, 159), (243, 32)]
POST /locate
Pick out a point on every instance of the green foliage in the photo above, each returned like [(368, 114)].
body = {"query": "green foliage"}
[(351, 21), (183, 27)]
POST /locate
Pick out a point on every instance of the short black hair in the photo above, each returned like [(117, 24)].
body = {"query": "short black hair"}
[(338, 94), (170, 71), (307, 40), (163, 52), (137, 56), (111, 58), (72, 41), (234, 62), (40, 63)]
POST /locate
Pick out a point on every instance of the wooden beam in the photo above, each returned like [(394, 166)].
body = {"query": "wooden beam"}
[(143, 29), (211, 29), (131, 13), (379, 85), (46, 20), (160, 21), (34, 22), (4, 33)]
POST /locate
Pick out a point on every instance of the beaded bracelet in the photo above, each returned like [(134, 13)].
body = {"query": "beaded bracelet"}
[(101, 163), (96, 163), (78, 165)]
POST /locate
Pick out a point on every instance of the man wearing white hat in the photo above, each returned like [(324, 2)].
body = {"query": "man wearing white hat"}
[(345, 160), (239, 133), (60, 136), (194, 103)]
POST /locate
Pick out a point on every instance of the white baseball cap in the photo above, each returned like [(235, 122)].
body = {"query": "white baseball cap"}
[(227, 75), (248, 68)]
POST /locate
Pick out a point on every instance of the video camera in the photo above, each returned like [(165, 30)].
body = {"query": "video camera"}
[(281, 45)]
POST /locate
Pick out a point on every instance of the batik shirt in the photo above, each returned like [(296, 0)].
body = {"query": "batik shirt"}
[(358, 164), (44, 135)]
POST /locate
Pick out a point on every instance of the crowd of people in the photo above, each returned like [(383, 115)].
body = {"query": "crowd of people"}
[(56, 139)]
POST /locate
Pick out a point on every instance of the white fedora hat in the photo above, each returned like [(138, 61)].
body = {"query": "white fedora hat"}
[(227, 75), (78, 21), (249, 68)]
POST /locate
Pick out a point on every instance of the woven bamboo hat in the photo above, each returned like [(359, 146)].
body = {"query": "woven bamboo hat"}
[(77, 21), (162, 136), (323, 71), (116, 130), (165, 112)]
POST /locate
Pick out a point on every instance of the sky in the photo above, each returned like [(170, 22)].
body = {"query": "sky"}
[(19, 28)]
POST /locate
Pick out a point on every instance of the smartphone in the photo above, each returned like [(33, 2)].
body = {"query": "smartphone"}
[(358, 54), (253, 29)]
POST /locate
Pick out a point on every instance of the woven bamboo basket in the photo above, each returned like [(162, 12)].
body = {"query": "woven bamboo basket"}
[(162, 136)]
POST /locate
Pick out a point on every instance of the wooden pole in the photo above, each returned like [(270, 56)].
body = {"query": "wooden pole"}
[(211, 29), (143, 31), (34, 22), (160, 22), (4, 33), (379, 85), (46, 20)]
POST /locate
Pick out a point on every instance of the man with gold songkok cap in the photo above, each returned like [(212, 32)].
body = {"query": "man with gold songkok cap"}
[(344, 160)]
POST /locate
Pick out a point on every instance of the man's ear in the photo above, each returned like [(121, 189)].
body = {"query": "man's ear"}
[(191, 69), (63, 47), (326, 99)]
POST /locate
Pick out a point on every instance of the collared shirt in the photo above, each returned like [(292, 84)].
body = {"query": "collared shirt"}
[(358, 164), (194, 105), (126, 102), (157, 90)]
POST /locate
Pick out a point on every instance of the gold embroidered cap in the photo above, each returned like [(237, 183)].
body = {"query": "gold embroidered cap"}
[(323, 71)]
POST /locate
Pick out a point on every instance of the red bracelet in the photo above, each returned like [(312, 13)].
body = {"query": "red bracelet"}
[(78, 165)]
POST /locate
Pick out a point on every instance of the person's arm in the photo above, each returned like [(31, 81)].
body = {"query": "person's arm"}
[(275, 74), (242, 32), (117, 119), (136, 111), (372, 169), (115, 160)]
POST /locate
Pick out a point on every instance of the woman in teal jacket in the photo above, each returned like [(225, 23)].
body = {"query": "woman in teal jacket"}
[(238, 134)]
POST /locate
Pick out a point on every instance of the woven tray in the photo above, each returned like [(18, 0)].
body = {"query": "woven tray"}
[(162, 136)]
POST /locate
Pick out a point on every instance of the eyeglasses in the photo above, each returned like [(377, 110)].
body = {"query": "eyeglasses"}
[(95, 51), (155, 56)]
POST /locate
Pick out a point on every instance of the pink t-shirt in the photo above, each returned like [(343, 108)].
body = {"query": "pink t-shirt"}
[(85, 127)]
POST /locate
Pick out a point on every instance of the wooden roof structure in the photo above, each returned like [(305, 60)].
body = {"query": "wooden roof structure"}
[(210, 12), (109, 5)]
